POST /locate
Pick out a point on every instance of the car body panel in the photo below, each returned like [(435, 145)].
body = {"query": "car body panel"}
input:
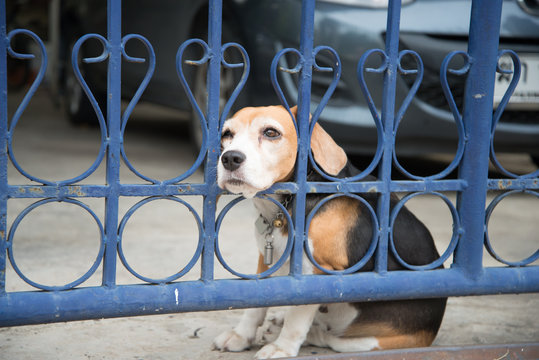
[(432, 28)]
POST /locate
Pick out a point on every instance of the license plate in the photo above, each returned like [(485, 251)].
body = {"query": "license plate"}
[(526, 94)]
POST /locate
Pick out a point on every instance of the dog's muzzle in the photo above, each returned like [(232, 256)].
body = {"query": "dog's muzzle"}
[(232, 160)]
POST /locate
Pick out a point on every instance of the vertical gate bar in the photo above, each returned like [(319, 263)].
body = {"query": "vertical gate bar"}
[(388, 118), (114, 35), (478, 105), (3, 146), (303, 114), (210, 171)]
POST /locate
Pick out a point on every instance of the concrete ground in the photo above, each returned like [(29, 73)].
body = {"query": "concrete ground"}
[(56, 243)]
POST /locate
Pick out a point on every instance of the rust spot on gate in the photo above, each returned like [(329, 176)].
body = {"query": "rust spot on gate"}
[(36, 190), (76, 190), (504, 184)]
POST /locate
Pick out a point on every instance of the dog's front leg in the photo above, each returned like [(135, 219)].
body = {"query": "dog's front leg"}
[(241, 337), (297, 322)]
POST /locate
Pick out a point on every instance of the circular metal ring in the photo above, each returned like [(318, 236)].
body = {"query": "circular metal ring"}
[(373, 244), (191, 262), (488, 244), (280, 262), (457, 231), (74, 283)]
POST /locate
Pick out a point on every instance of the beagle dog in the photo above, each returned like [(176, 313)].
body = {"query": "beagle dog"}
[(259, 147)]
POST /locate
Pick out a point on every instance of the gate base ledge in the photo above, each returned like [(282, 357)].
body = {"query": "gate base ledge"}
[(525, 351)]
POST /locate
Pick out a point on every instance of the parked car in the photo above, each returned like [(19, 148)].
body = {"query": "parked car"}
[(431, 28)]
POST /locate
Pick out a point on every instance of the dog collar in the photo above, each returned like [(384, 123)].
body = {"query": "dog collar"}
[(265, 225)]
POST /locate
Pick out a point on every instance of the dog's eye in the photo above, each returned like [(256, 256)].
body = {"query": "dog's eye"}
[(227, 134), (271, 133)]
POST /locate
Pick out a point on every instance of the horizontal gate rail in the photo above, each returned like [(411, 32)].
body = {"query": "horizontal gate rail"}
[(132, 300), (476, 126)]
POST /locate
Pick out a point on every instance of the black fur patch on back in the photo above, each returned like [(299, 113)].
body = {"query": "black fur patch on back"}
[(413, 243)]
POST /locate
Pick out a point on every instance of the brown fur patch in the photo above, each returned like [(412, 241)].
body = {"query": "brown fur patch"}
[(328, 232), (261, 266), (330, 156), (358, 330), (388, 337), (419, 339)]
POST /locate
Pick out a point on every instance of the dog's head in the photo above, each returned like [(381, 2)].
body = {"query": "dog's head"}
[(259, 148)]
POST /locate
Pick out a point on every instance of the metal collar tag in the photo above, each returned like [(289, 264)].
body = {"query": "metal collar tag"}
[(265, 227)]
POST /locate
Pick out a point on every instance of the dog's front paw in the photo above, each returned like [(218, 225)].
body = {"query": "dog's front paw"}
[(272, 351), (231, 341)]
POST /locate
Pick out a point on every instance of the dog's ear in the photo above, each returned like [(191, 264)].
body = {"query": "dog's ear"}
[(330, 156), (327, 154)]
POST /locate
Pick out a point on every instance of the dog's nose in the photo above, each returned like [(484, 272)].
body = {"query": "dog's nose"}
[(232, 159)]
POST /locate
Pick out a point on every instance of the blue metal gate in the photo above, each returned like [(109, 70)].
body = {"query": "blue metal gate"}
[(476, 125)]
